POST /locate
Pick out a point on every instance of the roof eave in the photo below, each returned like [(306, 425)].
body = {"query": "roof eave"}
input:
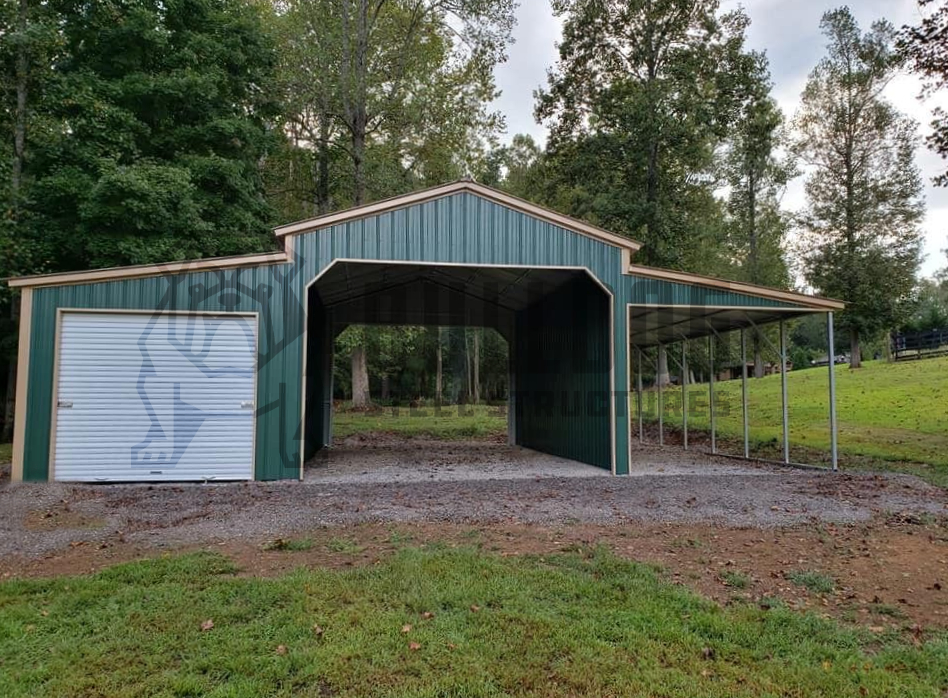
[(441, 191), (802, 299)]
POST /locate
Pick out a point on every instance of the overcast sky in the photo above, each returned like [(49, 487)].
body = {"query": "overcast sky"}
[(788, 30)]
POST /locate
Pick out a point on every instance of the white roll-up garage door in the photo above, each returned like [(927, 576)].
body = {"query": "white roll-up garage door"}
[(144, 397)]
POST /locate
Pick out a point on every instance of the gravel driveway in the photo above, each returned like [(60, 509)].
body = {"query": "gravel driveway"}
[(670, 486)]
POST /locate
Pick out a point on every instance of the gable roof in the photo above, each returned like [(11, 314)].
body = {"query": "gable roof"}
[(466, 186)]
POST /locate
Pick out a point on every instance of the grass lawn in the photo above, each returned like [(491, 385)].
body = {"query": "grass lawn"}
[(446, 422), (6, 453), (892, 412), (432, 621)]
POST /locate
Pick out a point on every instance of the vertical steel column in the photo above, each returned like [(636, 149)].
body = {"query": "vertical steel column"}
[(714, 442), (783, 392), (638, 392), (661, 397), (831, 354), (684, 393), (744, 391)]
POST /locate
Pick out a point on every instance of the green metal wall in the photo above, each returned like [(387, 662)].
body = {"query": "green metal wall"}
[(460, 228), (562, 363)]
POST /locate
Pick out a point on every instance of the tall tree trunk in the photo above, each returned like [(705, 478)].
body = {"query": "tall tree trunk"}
[(439, 376), (360, 378), (385, 386), (662, 378), (855, 354), (467, 364), (758, 357), (477, 366)]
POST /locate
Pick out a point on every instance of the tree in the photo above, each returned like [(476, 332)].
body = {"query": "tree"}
[(160, 116), (757, 175), (642, 95), (925, 47), (398, 89), (864, 192), (27, 41), (519, 168)]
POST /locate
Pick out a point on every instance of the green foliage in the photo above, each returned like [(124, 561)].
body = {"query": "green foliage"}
[(931, 309), (584, 623), (864, 194), (642, 96), (925, 47), (404, 358), (154, 117), (382, 98)]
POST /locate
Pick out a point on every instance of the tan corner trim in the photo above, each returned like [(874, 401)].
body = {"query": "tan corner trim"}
[(815, 302), (489, 193), (142, 270), (54, 404), (22, 384)]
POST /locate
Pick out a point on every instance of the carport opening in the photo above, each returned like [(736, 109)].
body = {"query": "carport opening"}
[(525, 353)]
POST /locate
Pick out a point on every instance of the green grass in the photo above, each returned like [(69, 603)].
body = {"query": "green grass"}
[(817, 582), (449, 422), (6, 453), (290, 544), (735, 580), (573, 624), (344, 546), (890, 412)]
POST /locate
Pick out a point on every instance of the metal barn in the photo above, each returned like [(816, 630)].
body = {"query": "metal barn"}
[(221, 369)]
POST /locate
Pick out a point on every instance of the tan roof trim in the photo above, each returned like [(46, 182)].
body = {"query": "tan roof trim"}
[(815, 302), (485, 192), (142, 270)]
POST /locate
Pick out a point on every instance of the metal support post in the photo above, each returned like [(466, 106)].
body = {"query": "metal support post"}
[(684, 393), (638, 392), (783, 392), (744, 392), (831, 354), (714, 443)]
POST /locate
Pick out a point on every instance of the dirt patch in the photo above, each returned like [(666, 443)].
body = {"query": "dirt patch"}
[(885, 574)]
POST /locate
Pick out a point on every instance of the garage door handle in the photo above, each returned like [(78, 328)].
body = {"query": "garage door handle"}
[(247, 404), (64, 403)]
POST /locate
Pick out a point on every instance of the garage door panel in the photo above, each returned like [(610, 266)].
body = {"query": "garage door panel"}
[(145, 397)]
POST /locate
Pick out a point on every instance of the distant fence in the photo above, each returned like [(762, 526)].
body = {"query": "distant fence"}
[(920, 345)]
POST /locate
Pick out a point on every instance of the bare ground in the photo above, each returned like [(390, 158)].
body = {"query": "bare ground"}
[(883, 538)]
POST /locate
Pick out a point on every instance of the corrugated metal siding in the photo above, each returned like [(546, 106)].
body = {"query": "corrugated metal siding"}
[(658, 292), (461, 228), (146, 397), (562, 364), (245, 290)]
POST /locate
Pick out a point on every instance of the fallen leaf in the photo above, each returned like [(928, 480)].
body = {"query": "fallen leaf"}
[(207, 625), (281, 649), (414, 646), (406, 628), (427, 615), (708, 653), (319, 631), (475, 608)]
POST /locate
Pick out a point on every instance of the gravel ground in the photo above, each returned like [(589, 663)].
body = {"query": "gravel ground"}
[(521, 486)]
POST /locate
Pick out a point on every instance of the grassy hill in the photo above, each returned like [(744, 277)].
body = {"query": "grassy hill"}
[(890, 412)]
